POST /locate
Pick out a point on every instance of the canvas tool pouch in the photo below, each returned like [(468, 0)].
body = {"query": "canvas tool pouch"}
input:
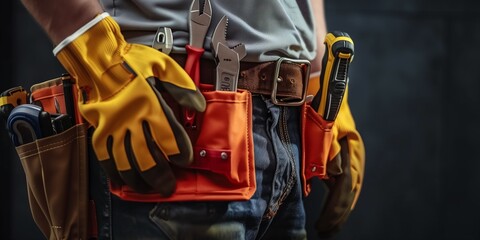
[(56, 171), (223, 166), (317, 138), (56, 175)]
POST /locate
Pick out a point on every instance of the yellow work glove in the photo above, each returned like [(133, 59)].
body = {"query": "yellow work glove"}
[(136, 135), (345, 170)]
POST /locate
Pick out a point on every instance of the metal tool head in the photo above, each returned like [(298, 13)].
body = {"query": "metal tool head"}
[(228, 58), (228, 66), (220, 37), (163, 40), (199, 22), (240, 50)]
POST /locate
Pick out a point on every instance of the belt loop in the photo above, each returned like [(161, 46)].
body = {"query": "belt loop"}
[(306, 76)]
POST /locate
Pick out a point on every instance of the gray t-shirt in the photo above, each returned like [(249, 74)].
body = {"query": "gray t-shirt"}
[(268, 28)]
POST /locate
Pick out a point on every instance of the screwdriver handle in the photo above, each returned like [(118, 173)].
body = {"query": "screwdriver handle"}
[(11, 98), (339, 52)]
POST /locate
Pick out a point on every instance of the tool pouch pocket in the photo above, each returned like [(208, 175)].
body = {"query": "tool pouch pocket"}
[(317, 139), (223, 166), (56, 174)]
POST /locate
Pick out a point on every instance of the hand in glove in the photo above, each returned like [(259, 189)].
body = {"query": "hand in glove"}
[(136, 135), (345, 174)]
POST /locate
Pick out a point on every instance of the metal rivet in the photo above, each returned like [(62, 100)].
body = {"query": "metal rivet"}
[(223, 155), (263, 77), (203, 153), (314, 168)]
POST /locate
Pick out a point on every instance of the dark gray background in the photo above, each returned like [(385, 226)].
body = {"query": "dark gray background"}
[(414, 95)]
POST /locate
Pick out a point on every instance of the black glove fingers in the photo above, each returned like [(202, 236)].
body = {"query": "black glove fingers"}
[(192, 99), (132, 177), (185, 155), (186, 97), (109, 166), (160, 177)]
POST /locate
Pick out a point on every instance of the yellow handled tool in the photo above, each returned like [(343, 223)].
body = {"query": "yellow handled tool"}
[(334, 77), (11, 98)]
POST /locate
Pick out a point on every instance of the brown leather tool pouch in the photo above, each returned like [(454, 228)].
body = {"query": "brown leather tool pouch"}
[(56, 169), (317, 138), (56, 175), (223, 166)]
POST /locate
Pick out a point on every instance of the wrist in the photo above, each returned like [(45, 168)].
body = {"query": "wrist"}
[(79, 32), (92, 51)]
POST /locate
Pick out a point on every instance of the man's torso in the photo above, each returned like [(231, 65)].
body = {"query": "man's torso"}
[(268, 28)]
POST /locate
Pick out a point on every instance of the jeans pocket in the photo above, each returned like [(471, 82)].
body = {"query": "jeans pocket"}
[(317, 139), (56, 171)]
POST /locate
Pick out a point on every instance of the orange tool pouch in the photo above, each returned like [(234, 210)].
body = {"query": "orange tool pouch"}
[(317, 138), (50, 95), (223, 166)]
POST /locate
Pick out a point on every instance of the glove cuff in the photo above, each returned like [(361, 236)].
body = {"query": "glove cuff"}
[(95, 58), (79, 32)]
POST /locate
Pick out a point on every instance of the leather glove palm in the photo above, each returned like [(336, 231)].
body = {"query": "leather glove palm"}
[(345, 171), (136, 135)]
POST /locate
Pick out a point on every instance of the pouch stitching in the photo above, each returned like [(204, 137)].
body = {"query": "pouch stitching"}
[(48, 149), (226, 101), (247, 142), (24, 155)]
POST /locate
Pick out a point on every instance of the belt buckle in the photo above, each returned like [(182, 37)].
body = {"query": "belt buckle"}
[(276, 79)]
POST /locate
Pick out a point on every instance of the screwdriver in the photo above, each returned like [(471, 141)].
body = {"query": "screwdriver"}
[(334, 77)]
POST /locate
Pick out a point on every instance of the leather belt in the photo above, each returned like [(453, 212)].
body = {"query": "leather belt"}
[(285, 80)]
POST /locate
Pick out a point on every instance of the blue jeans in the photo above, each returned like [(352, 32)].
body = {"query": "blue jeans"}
[(274, 212)]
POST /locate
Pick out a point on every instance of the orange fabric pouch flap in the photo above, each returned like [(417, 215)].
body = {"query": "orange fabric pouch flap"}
[(317, 138)]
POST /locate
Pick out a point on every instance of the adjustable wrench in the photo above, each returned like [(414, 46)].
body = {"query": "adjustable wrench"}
[(228, 59)]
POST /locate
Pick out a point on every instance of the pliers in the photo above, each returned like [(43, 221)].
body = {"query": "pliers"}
[(199, 21)]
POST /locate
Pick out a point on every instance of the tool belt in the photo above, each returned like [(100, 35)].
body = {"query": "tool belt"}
[(224, 166), (257, 77), (56, 167)]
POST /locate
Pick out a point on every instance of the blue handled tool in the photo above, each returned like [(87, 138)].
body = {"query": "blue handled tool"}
[(27, 123)]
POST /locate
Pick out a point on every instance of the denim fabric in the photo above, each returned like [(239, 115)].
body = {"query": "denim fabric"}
[(274, 212)]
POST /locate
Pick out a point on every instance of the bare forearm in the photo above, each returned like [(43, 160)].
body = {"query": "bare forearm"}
[(321, 29), (60, 18)]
